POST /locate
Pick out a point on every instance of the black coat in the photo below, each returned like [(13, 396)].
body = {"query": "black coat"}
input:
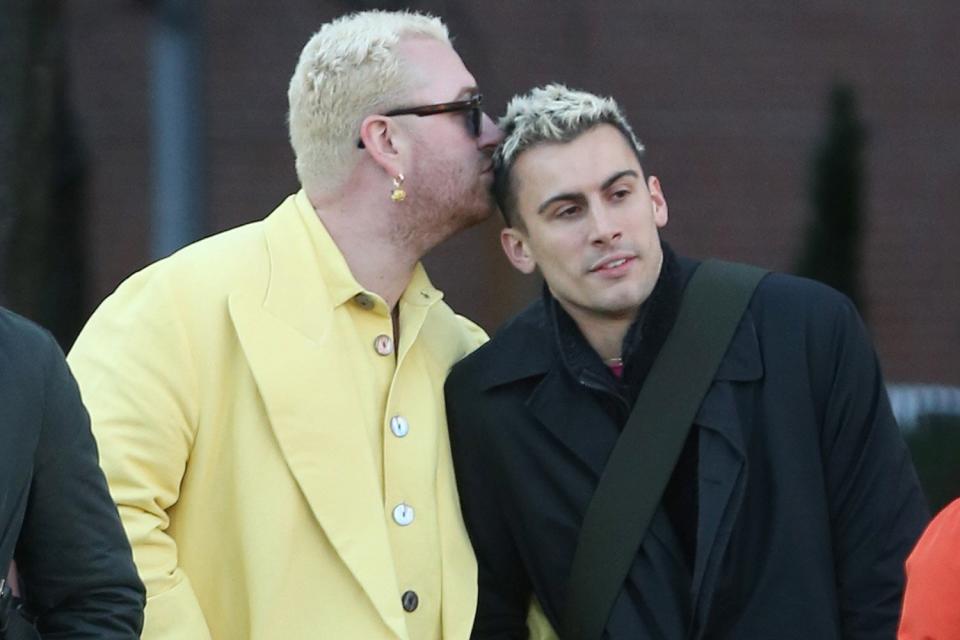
[(806, 501), (56, 516)]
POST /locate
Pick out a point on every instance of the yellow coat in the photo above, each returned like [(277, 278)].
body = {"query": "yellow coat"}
[(220, 406)]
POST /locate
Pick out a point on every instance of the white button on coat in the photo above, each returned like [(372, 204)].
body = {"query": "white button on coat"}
[(383, 344), (399, 426), (403, 514)]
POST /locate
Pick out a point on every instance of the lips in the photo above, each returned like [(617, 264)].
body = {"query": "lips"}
[(612, 263)]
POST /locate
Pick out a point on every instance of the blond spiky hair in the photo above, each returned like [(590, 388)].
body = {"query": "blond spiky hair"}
[(553, 113), (349, 69)]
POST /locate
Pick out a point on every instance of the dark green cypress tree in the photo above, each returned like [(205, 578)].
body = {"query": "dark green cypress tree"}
[(832, 249)]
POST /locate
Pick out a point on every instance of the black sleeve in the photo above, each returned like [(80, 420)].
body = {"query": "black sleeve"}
[(877, 507), (504, 587), (73, 556)]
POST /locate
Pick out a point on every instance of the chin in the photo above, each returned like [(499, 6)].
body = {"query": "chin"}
[(621, 312), (478, 214), (621, 306)]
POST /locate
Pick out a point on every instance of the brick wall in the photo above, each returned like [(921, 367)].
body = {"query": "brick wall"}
[(729, 101)]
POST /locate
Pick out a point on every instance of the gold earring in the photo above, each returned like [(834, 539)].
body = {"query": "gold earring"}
[(398, 194)]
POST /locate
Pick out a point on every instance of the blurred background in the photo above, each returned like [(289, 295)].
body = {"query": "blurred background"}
[(816, 137)]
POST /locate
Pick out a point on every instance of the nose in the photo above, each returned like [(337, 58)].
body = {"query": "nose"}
[(490, 133), (605, 228)]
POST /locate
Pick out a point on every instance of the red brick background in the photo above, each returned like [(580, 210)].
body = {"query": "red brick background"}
[(729, 101)]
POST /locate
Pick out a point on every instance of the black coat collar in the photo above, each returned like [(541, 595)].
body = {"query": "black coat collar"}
[(527, 345)]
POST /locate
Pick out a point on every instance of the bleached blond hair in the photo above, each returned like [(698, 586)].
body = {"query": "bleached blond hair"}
[(348, 70), (553, 113)]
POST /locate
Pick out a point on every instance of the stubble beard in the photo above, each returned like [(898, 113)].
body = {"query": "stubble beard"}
[(445, 211)]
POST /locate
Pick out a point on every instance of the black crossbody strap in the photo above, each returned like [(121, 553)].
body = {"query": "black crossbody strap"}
[(647, 450)]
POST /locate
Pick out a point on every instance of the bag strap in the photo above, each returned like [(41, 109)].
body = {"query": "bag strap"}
[(647, 450)]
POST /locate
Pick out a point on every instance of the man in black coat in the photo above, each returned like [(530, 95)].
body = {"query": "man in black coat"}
[(57, 520), (794, 502)]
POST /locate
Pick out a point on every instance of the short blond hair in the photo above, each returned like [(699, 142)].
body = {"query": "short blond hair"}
[(348, 69), (553, 113)]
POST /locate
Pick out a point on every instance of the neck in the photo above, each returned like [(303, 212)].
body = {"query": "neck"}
[(604, 334), (365, 237)]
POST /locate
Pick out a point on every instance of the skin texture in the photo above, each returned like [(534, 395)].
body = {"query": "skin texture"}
[(586, 206)]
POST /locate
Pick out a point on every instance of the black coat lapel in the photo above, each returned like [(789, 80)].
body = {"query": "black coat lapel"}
[(574, 417), (722, 467)]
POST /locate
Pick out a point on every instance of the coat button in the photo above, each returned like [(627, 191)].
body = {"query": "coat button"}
[(410, 601), (383, 344), (364, 301), (399, 426), (403, 514)]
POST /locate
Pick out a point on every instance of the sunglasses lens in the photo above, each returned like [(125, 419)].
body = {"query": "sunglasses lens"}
[(476, 119)]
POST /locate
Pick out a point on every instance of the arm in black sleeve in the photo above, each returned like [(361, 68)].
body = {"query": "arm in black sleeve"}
[(72, 553), (504, 588), (877, 507)]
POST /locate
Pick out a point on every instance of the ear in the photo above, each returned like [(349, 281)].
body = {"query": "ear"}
[(659, 202), (384, 142), (515, 245)]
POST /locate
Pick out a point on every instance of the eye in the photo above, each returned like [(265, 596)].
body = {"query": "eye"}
[(620, 193), (567, 212)]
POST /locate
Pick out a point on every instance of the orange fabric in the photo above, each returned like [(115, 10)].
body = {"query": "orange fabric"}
[(931, 603)]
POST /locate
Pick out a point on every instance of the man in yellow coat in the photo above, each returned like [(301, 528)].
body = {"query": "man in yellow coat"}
[(269, 401)]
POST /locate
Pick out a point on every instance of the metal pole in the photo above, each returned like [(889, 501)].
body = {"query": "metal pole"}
[(176, 121)]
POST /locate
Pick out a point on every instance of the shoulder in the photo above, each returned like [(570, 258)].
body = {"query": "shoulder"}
[(794, 304), (447, 336), (25, 347), (811, 333), (234, 258), (777, 290), (934, 563), (163, 312), (19, 335), (795, 291), (788, 308), (189, 286), (31, 368), (943, 533), (781, 300), (472, 335)]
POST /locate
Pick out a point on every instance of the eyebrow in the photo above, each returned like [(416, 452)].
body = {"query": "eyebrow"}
[(579, 196), (620, 174)]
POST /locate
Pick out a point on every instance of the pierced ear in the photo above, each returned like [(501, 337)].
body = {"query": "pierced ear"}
[(660, 214), (381, 142), (515, 246)]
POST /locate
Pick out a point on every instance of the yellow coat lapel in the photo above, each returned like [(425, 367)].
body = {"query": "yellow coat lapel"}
[(286, 338)]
